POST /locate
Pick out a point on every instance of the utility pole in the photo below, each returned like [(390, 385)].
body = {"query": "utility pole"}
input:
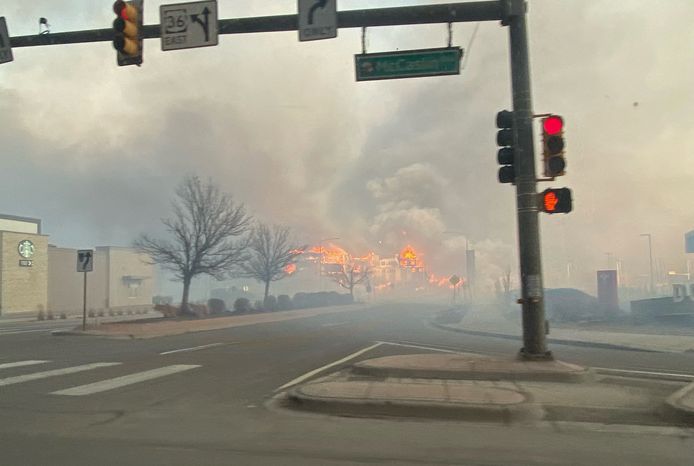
[(532, 293), (650, 262), (84, 303)]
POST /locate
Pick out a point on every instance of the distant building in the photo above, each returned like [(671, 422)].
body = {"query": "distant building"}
[(23, 265), (37, 277), (121, 279), (689, 242), (387, 272)]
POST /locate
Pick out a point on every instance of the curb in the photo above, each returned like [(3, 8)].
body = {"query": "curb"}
[(524, 411), (362, 368), (80, 333), (557, 341), (676, 407)]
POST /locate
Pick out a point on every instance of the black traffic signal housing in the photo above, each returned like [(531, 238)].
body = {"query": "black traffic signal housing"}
[(127, 29), (505, 141), (556, 201), (553, 146)]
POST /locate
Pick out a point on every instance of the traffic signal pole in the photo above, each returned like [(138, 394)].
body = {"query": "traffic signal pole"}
[(532, 294), (512, 13), (373, 17)]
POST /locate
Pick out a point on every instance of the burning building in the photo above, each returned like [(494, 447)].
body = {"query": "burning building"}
[(412, 266)]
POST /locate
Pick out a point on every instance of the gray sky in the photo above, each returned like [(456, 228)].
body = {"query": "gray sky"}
[(95, 150)]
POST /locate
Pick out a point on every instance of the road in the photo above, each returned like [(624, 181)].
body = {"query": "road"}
[(206, 398), (10, 326)]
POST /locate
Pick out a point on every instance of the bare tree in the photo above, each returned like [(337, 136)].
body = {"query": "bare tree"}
[(203, 230), (272, 252), (351, 275)]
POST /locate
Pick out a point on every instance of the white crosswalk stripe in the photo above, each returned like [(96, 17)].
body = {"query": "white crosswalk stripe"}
[(53, 373), (118, 382), (32, 362)]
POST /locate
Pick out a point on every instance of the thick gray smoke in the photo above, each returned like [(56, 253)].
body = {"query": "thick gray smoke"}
[(96, 150)]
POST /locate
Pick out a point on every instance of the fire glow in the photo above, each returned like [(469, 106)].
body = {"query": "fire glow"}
[(408, 258), (330, 254)]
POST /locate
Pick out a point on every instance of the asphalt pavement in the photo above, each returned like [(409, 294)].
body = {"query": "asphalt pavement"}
[(209, 398), (13, 326)]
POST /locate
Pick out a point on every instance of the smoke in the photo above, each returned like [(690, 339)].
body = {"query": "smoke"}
[(408, 206), (96, 151)]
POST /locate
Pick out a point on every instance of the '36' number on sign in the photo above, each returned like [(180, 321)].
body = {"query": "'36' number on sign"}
[(176, 21)]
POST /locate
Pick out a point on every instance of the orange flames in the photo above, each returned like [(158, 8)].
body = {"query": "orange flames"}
[(331, 254), (333, 258), (444, 282), (408, 258)]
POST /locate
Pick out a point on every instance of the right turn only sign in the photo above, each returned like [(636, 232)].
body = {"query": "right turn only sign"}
[(85, 260), (317, 19)]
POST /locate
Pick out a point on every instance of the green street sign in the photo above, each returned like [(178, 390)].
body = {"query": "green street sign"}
[(408, 64)]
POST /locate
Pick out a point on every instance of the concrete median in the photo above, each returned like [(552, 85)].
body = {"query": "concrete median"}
[(464, 400)]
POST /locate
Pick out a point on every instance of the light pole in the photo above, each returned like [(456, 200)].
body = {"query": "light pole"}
[(650, 260), (320, 259), (469, 264)]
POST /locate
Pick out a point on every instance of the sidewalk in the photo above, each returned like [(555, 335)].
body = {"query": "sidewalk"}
[(478, 388), (486, 321), (164, 327), (471, 367), (681, 403)]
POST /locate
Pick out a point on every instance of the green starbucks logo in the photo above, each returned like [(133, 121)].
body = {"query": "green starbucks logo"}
[(26, 249)]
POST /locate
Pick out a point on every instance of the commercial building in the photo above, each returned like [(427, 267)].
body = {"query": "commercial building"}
[(36, 276), (121, 280), (23, 265)]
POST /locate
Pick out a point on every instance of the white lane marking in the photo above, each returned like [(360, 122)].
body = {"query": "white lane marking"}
[(194, 348), (31, 362), (336, 324), (32, 331), (117, 382), (328, 366), (432, 348), (54, 372), (627, 371)]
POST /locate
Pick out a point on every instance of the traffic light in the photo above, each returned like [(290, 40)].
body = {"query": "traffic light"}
[(506, 154), (556, 201), (127, 29), (553, 146)]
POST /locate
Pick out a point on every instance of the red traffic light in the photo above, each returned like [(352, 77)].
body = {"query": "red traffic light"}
[(125, 11), (553, 125), (127, 28)]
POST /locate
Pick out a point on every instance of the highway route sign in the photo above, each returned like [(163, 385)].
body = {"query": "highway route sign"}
[(189, 25), (317, 19), (85, 260), (5, 49)]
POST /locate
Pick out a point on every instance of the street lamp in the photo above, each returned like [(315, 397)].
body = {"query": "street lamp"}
[(650, 259), (320, 259), (469, 263)]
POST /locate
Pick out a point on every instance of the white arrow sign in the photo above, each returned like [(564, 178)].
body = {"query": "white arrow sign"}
[(317, 19), (5, 49), (188, 25)]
